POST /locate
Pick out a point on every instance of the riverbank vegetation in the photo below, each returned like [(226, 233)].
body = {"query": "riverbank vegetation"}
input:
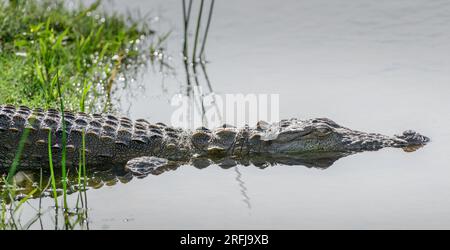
[(57, 55), (86, 48)]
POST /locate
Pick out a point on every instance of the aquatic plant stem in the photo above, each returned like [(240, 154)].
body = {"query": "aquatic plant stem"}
[(52, 172), (83, 159), (202, 50), (64, 140), (186, 17), (15, 164), (197, 31)]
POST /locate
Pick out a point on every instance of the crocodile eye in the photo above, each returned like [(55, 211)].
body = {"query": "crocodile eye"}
[(323, 130)]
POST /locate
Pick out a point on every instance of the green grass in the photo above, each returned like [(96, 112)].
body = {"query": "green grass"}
[(65, 58), (39, 39)]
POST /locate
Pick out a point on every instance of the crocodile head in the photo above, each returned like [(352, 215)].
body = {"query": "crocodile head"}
[(324, 135)]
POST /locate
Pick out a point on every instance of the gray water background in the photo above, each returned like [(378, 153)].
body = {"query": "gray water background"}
[(378, 66)]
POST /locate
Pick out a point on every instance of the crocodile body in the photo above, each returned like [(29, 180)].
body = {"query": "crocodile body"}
[(111, 140)]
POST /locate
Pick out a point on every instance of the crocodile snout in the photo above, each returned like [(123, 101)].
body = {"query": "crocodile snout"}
[(413, 138)]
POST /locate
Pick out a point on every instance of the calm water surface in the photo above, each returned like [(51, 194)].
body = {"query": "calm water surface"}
[(379, 66)]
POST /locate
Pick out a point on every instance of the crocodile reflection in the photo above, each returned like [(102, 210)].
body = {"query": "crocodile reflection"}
[(98, 177)]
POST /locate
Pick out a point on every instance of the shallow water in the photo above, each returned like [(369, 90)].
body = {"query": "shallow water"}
[(373, 66)]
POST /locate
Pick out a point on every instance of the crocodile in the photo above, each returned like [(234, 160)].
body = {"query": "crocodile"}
[(110, 140)]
